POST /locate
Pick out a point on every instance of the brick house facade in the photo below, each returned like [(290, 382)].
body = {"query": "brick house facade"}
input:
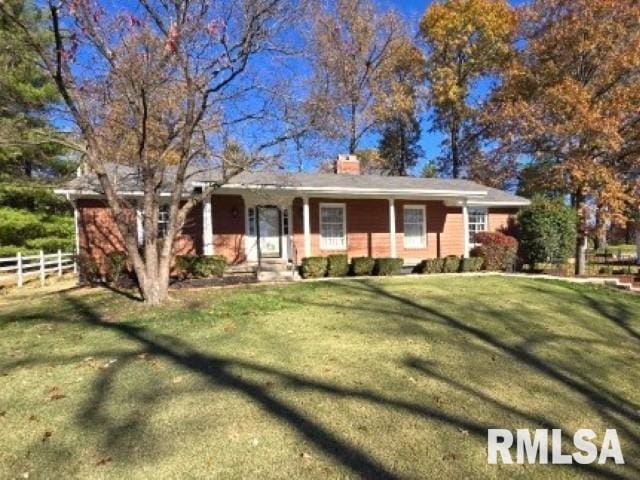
[(285, 217)]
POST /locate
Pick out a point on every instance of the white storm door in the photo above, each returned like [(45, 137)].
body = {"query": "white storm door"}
[(269, 232)]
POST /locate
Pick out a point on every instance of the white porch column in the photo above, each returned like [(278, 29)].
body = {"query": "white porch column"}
[(465, 228), (207, 226), (140, 226), (306, 222), (392, 228), (289, 238)]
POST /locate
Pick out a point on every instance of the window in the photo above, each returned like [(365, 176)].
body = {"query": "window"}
[(332, 227), (163, 220), (477, 223), (415, 231), (251, 218), (285, 222)]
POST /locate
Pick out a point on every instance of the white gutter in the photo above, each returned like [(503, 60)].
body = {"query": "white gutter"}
[(350, 190)]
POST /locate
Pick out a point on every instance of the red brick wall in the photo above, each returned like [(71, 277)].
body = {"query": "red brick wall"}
[(502, 219), (368, 228), (99, 233), (228, 230)]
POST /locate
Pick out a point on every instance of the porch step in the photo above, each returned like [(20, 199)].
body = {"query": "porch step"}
[(278, 275)]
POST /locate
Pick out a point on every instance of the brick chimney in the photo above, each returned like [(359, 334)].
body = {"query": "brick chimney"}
[(348, 165)]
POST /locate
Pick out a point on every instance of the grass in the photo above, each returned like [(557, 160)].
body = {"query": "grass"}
[(388, 378)]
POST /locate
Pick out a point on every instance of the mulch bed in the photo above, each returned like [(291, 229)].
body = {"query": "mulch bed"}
[(213, 282)]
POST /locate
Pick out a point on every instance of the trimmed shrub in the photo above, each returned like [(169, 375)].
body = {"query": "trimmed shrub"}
[(420, 267), (430, 265), (451, 264), (88, 269), (116, 264), (362, 266), (499, 251), (387, 266), (50, 244), (313, 267), (472, 264), (547, 231), (201, 266), (337, 265)]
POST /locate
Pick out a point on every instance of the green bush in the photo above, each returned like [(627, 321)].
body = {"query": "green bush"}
[(430, 265), (547, 231), (17, 226), (313, 267), (88, 269), (451, 264), (201, 266), (50, 244), (337, 265), (387, 266), (33, 197), (472, 264), (116, 264), (362, 266), (12, 251)]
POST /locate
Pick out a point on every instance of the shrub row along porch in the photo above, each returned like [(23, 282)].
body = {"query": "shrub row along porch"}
[(283, 217)]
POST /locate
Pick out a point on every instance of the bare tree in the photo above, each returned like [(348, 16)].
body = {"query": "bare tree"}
[(150, 86)]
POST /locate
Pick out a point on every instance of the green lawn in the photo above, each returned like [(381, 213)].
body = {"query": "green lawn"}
[(390, 378)]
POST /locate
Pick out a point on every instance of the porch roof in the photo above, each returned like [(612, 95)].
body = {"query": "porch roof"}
[(300, 183)]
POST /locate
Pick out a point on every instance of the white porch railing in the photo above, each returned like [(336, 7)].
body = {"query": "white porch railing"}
[(23, 267)]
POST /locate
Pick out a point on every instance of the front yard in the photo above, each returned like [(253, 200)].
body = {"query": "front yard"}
[(379, 378)]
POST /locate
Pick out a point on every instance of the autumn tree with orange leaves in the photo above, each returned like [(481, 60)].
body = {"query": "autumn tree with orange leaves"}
[(572, 97)]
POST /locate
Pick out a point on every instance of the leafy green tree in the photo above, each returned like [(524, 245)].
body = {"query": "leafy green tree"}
[(429, 170), (547, 231), (26, 93), (399, 146)]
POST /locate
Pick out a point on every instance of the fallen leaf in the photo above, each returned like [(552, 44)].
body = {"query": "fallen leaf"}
[(32, 418), (3, 413), (305, 456), (449, 456), (46, 436), (463, 432), (55, 393), (103, 461), (144, 356)]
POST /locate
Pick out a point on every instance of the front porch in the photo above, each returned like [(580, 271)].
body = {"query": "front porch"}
[(277, 229)]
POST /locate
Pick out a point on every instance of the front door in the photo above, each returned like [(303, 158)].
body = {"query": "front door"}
[(269, 237)]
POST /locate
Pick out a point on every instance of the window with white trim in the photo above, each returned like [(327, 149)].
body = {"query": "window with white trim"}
[(163, 220), (415, 226), (333, 231), (477, 223)]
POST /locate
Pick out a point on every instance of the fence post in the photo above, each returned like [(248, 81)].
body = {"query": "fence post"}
[(19, 269), (42, 272), (59, 263)]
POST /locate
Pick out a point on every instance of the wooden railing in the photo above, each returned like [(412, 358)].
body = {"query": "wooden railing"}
[(25, 267)]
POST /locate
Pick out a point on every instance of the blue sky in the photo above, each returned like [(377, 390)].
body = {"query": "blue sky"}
[(412, 11)]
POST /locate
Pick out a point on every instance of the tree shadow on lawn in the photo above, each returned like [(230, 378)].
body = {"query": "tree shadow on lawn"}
[(621, 412), (218, 371)]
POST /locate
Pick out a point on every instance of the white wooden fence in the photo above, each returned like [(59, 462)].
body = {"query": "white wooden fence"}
[(24, 267)]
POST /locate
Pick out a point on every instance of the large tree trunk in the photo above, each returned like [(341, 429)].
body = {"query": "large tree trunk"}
[(353, 141), (455, 153), (581, 237)]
